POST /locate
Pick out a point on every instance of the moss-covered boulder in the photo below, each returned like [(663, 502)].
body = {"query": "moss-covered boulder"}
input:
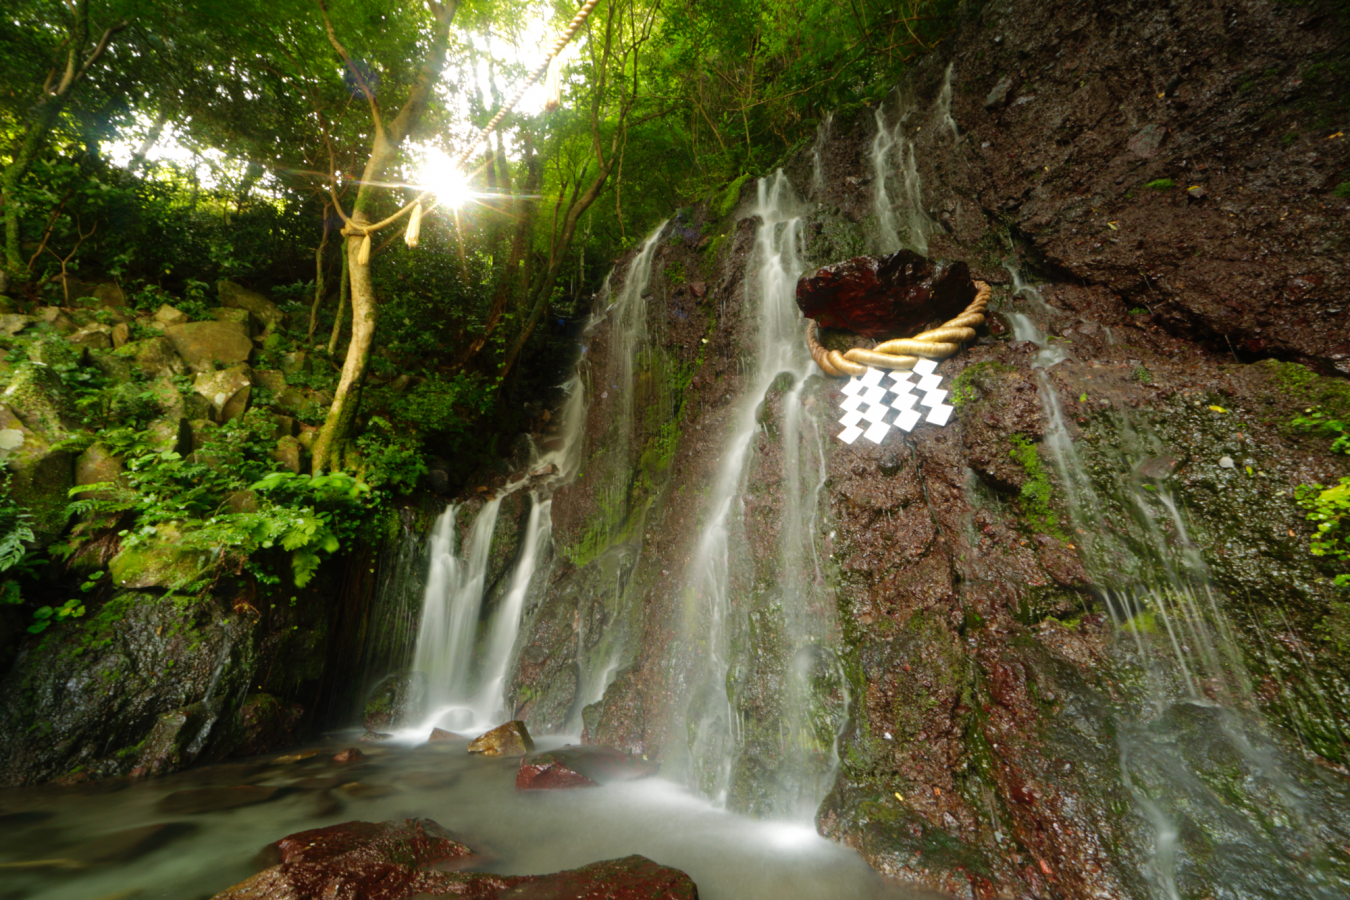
[(40, 475), (38, 397), (97, 465), (207, 346), (234, 296), (162, 563), (227, 391), (154, 356)]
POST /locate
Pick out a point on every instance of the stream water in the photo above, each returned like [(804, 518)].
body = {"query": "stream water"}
[(147, 841)]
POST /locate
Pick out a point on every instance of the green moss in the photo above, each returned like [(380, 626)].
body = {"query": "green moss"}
[(1143, 622), (1036, 490), (967, 386), (1341, 190), (1141, 375), (727, 202), (1161, 184)]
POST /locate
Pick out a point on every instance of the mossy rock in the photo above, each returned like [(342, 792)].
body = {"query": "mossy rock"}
[(38, 397), (163, 564), (236, 296), (41, 475)]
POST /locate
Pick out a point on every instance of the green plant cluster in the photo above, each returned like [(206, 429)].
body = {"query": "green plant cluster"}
[(1329, 509), (1036, 490)]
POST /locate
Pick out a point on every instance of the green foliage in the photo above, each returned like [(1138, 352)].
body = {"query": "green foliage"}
[(1341, 190), (1141, 375), (1161, 184), (1329, 508), (1036, 489), (46, 616), (727, 202), (1316, 421)]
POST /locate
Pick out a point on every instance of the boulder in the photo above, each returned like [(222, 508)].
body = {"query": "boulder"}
[(206, 346), (177, 739), (267, 724), (176, 403), (160, 563), (97, 465), (289, 453), (170, 433), (390, 860), (271, 380), (439, 735), (170, 315), (349, 756), (511, 739), (227, 391), (121, 334), (40, 475), (155, 357), (113, 366), (37, 396), (242, 316), (396, 701), (303, 402), (236, 296), (56, 318), (93, 337), (885, 297), (293, 362), (12, 323), (53, 351), (548, 771)]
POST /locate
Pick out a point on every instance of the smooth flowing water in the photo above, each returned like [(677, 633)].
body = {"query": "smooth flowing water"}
[(719, 579), (124, 839), (897, 193), (1193, 751)]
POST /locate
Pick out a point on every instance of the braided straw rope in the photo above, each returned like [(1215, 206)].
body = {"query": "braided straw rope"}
[(903, 353)]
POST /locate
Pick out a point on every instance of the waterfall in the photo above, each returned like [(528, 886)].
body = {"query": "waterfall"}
[(893, 151), (1193, 704), (823, 134), (469, 663), (722, 732)]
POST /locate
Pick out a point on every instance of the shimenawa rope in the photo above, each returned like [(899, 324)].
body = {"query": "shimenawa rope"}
[(903, 353)]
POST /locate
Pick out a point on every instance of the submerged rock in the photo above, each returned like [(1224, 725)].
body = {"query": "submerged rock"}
[(387, 860), (439, 734), (214, 799), (396, 702), (581, 767), (885, 296), (511, 739)]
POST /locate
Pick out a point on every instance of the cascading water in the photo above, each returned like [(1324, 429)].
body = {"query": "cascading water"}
[(1193, 703), (468, 676), (732, 740), (892, 152), (817, 164)]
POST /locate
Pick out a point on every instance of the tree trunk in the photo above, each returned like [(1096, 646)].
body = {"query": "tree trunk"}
[(344, 294), (318, 278), (328, 448)]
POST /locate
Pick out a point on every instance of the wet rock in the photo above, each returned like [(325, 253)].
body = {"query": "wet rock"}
[(292, 758), (205, 346), (196, 801), (266, 723), (887, 296), (549, 771), (395, 702), (161, 562), (177, 738), (348, 756), (439, 735), (511, 739), (388, 860), (582, 767), (234, 296), (375, 737)]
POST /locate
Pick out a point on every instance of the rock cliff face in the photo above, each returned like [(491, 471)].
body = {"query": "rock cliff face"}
[(1073, 644)]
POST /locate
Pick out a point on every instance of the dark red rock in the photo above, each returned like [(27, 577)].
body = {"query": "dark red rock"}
[(885, 297), (350, 755), (547, 772), (387, 860)]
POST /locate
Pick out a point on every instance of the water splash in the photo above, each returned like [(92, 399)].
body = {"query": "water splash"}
[(724, 730)]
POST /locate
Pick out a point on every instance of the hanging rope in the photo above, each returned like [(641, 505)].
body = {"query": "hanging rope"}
[(353, 228), (903, 353)]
